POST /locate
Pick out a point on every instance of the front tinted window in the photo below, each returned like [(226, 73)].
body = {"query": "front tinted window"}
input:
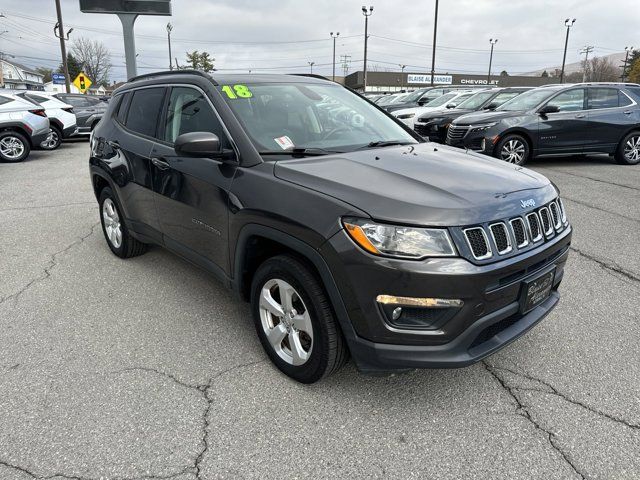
[(189, 111), (603, 98), (475, 101), (527, 100), (414, 96), (569, 101), (280, 116), (441, 100), (144, 111)]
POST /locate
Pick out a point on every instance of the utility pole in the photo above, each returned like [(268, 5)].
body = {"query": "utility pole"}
[(2, 58), (567, 23), (586, 50), (623, 77), (367, 14), (433, 52), (492, 41), (63, 49), (402, 67), (345, 60), (169, 28), (311, 64), (334, 53)]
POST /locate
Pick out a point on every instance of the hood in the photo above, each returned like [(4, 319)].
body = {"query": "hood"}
[(484, 117), (399, 106), (421, 184), (449, 113)]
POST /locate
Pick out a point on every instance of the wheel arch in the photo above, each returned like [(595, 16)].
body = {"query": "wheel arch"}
[(521, 132), (15, 127)]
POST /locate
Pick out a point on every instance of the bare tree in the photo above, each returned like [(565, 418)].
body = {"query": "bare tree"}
[(94, 57), (601, 69)]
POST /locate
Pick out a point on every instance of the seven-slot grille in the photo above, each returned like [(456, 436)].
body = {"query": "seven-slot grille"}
[(517, 233), (456, 132)]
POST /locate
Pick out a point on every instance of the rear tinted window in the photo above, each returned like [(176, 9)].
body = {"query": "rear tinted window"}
[(145, 108), (603, 98), (75, 101), (122, 103), (4, 99), (37, 98)]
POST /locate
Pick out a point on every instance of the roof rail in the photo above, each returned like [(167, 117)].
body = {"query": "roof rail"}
[(310, 75), (173, 72)]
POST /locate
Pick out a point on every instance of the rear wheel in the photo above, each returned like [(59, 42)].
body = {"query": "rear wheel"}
[(513, 149), (294, 320), (115, 231), (14, 147), (628, 152), (53, 140)]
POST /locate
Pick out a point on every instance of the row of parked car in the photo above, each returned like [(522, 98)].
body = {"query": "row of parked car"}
[(41, 120), (516, 124)]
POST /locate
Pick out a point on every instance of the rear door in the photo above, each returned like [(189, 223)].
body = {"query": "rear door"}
[(565, 130), (130, 145), (610, 117), (191, 193)]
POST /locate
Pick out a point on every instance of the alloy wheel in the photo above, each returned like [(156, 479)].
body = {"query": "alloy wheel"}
[(51, 141), (112, 226), (513, 151), (286, 322), (11, 147), (632, 149)]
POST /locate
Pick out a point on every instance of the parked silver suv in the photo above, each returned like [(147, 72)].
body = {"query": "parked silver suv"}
[(22, 126)]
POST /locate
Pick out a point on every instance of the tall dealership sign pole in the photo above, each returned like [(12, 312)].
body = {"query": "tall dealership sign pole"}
[(568, 23), (367, 14), (127, 12), (169, 28), (492, 41), (433, 52)]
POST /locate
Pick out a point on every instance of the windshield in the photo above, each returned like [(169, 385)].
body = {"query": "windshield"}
[(414, 96), (475, 101), (527, 100), (280, 117), (386, 99), (442, 100)]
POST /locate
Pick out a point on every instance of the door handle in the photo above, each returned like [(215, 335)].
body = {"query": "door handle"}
[(627, 112), (161, 164), (580, 115)]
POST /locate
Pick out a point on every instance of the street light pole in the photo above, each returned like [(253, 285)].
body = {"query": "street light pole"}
[(568, 23), (626, 60), (492, 41), (402, 67), (311, 64), (367, 14), (433, 52), (169, 28), (334, 53)]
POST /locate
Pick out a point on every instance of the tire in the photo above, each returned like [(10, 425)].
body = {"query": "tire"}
[(513, 149), (115, 231), (54, 139), (628, 151), (313, 324), (14, 147)]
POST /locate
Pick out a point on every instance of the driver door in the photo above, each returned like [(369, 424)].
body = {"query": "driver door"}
[(563, 131), (191, 194)]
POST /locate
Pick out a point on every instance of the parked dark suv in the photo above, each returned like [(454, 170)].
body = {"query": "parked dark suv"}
[(434, 125), (423, 96), (88, 110), (557, 120), (346, 232)]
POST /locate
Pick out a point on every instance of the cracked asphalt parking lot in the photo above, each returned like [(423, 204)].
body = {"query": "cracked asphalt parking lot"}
[(148, 368)]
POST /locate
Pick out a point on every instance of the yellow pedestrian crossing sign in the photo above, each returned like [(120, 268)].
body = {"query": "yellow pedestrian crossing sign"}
[(82, 82)]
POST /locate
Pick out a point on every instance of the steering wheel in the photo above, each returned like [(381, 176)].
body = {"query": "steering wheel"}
[(335, 131)]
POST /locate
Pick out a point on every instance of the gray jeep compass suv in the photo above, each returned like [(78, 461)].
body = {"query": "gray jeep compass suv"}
[(347, 232)]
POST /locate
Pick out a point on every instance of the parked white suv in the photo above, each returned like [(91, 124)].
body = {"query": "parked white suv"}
[(22, 126), (408, 115), (61, 117)]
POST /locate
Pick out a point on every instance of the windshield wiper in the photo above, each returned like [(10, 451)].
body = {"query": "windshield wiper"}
[(384, 143), (301, 151)]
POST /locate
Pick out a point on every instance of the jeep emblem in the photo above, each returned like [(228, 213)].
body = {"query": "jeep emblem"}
[(528, 203)]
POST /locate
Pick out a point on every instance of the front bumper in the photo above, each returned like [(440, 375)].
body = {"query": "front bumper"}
[(489, 319), (433, 131), (474, 141)]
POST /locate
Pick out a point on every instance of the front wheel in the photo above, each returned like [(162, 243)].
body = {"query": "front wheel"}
[(294, 320), (628, 152), (14, 147), (53, 140), (513, 149)]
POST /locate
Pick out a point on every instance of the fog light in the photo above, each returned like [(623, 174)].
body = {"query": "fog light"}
[(418, 302), (396, 313), (483, 144)]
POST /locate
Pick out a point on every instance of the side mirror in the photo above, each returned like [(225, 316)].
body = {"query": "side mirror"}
[(452, 105), (548, 109), (491, 106), (423, 101), (198, 144)]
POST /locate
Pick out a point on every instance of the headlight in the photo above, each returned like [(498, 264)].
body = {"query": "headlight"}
[(482, 127), (427, 120), (402, 242), (404, 116)]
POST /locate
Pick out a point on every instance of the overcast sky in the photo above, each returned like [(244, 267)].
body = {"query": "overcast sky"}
[(284, 35)]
